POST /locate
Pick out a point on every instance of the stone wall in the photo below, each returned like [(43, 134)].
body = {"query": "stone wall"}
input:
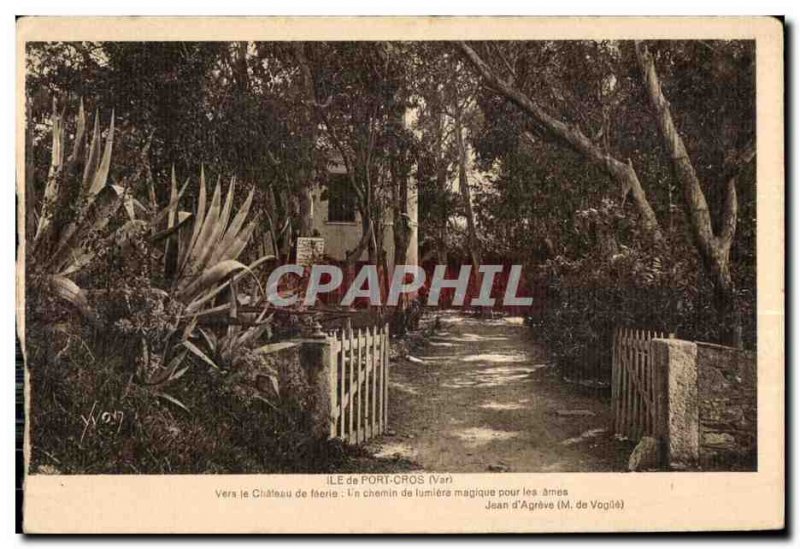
[(705, 405), (302, 374), (726, 381)]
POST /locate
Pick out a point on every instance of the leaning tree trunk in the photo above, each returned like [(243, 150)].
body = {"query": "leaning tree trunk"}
[(714, 249), (571, 136)]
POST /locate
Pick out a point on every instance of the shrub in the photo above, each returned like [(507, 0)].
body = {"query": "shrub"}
[(613, 285), (146, 385)]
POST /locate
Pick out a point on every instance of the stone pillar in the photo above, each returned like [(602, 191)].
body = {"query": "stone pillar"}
[(677, 404), (315, 357)]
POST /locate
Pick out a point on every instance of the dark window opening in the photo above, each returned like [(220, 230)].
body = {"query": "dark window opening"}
[(341, 200)]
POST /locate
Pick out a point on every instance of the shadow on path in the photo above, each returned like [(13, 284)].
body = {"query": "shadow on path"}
[(481, 396)]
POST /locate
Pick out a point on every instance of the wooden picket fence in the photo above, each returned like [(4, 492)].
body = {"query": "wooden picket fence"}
[(635, 383), (359, 383)]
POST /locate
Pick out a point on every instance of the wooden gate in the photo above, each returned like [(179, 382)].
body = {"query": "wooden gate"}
[(360, 386), (634, 383)]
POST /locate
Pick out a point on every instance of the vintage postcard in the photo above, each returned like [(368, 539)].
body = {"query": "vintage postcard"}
[(401, 275)]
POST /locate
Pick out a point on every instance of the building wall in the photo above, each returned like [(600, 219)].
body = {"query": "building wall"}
[(343, 236)]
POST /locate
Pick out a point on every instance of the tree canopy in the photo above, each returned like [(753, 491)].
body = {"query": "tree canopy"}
[(586, 161)]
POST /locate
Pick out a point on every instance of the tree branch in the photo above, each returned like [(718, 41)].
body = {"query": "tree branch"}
[(572, 137), (697, 205), (734, 166)]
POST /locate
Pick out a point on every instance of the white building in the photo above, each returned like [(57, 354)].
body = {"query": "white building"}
[(336, 219)]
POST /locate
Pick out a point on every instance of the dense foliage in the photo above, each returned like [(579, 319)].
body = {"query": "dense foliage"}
[(577, 229), (518, 152)]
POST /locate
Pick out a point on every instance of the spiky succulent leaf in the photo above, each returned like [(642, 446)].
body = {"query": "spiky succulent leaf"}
[(94, 218), (199, 301), (232, 232), (218, 229), (204, 244), (80, 136), (93, 160), (67, 290), (184, 218), (195, 350), (198, 223), (101, 176), (173, 400), (210, 278), (160, 216), (51, 188), (239, 243), (171, 244)]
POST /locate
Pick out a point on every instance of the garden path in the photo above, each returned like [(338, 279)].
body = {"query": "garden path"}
[(481, 396)]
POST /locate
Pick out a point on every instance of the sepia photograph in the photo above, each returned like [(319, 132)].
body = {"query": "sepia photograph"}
[(393, 259)]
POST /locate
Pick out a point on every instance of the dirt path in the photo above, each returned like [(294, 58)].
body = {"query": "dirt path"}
[(481, 396)]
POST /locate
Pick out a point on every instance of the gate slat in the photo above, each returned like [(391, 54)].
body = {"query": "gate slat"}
[(351, 387), (629, 366), (637, 422), (359, 375), (386, 376), (646, 381), (615, 380), (637, 427), (370, 373), (375, 358), (381, 383), (341, 365), (359, 382), (625, 394), (379, 394), (634, 382), (622, 384), (336, 384)]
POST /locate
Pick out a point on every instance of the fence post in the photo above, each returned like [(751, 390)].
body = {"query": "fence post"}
[(318, 357), (678, 423)]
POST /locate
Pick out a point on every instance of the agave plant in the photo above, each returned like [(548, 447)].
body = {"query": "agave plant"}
[(76, 203), (201, 264), (201, 250)]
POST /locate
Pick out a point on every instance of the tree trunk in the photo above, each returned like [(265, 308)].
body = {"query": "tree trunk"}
[(305, 175), (30, 190), (466, 197), (714, 249), (441, 236), (283, 223), (621, 172), (401, 227), (364, 243), (441, 189)]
